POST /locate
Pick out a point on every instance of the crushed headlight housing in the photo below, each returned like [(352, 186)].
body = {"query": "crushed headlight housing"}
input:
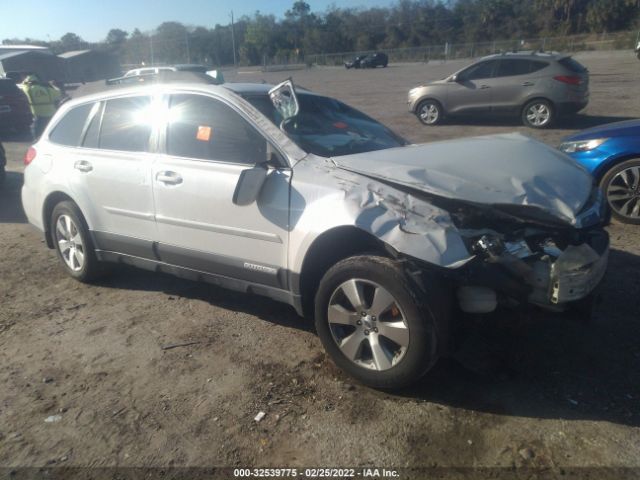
[(582, 145)]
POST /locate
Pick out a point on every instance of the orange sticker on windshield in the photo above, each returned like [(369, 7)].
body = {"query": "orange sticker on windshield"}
[(204, 133)]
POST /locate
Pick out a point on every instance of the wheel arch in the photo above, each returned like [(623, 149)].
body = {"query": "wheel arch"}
[(539, 97), (602, 169), (424, 99), (49, 204), (325, 251)]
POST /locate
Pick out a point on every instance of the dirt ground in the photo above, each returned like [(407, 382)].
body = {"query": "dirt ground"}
[(557, 394)]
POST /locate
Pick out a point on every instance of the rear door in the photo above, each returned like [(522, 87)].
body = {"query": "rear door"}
[(111, 174), (515, 80), (471, 92), (208, 145)]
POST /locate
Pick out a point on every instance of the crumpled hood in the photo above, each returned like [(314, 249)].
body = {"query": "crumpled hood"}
[(501, 170)]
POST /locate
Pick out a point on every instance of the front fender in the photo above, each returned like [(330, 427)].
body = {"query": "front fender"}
[(410, 225)]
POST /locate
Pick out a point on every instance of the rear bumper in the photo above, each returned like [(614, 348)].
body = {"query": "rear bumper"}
[(568, 108)]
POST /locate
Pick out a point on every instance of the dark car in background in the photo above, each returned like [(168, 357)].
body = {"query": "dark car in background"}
[(537, 87), (612, 154), (14, 107), (373, 60), (3, 164)]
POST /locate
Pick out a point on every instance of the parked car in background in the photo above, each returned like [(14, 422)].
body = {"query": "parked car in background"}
[(373, 60), (167, 68), (612, 154), (301, 198), (15, 113), (3, 164), (539, 87), (144, 73)]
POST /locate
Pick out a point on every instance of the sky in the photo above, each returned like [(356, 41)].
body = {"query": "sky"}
[(92, 19)]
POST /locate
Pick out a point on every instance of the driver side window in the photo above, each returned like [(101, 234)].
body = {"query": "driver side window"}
[(480, 71), (204, 128)]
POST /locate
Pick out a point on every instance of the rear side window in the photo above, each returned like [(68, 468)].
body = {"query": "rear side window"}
[(8, 87), (519, 66), (126, 124), (573, 65), (69, 130), (537, 65), (204, 128), (515, 66)]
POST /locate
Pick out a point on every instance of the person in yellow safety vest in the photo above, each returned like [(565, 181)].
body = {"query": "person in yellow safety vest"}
[(43, 99)]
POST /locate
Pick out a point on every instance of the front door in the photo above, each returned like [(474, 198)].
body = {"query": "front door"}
[(472, 90), (208, 145)]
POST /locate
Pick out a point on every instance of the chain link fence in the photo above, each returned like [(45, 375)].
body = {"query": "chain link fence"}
[(453, 51)]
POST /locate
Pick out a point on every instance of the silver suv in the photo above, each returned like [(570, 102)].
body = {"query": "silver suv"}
[(301, 198), (536, 86)]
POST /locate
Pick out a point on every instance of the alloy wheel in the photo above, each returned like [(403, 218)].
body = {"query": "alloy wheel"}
[(623, 193), (368, 324), (70, 243), (429, 113), (538, 114)]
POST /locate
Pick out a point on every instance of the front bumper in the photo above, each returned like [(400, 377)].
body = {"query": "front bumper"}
[(552, 278), (576, 273)]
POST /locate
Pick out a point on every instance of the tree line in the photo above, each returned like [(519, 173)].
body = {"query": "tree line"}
[(406, 23)]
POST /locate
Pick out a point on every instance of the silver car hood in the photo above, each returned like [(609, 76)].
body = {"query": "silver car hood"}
[(500, 170)]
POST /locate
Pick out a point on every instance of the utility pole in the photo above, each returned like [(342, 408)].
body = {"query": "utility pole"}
[(233, 40), (186, 39), (151, 47)]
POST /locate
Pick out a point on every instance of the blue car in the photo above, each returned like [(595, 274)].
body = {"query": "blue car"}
[(612, 154)]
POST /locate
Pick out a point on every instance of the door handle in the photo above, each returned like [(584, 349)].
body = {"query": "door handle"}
[(527, 84), (83, 166), (484, 87), (169, 178)]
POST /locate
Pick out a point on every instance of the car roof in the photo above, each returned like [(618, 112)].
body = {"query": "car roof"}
[(528, 55), (225, 90), (258, 88)]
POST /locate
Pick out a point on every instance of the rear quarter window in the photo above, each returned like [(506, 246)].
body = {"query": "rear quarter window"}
[(572, 65), (69, 129), (125, 124), (536, 65)]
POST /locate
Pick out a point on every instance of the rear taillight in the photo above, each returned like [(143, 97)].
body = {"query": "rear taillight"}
[(569, 79), (30, 155)]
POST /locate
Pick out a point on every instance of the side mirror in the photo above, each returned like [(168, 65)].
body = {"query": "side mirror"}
[(454, 78), (250, 184), (284, 99)]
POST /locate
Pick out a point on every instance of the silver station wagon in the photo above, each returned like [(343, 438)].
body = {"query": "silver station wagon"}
[(292, 195)]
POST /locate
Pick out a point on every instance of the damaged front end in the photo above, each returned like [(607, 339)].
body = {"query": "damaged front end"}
[(520, 260)]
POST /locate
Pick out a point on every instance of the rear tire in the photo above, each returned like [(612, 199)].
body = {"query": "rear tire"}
[(538, 113), (73, 244), (621, 187), (391, 338)]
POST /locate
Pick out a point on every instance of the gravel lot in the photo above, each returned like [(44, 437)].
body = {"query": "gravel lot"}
[(531, 389)]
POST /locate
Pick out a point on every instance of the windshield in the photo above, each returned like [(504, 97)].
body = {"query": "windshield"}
[(329, 128)]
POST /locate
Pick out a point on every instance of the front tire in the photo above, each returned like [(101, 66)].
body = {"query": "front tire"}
[(538, 114), (621, 186), (73, 243), (429, 112), (374, 324)]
